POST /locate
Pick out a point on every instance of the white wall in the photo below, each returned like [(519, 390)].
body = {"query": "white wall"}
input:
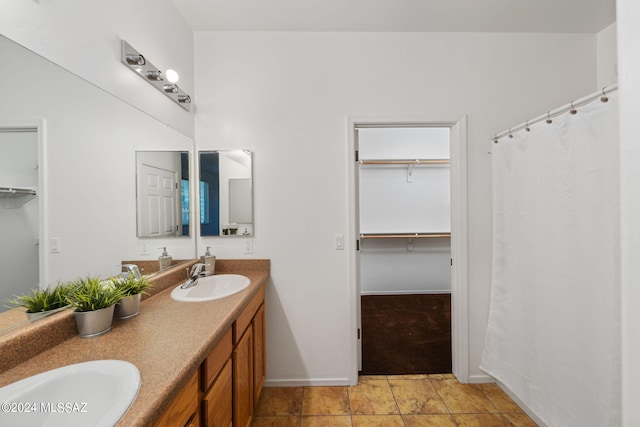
[(288, 97), (84, 37), (88, 165), (629, 66), (606, 45)]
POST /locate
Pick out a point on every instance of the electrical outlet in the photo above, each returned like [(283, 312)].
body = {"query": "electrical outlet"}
[(145, 248)]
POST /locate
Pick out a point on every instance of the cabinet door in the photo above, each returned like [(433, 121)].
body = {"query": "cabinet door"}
[(243, 380), (259, 361), (194, 421), (217, 403), (183, 406)]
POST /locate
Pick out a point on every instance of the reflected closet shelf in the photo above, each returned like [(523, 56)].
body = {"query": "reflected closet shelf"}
[(405, 162), (404, 235), (14, 197)]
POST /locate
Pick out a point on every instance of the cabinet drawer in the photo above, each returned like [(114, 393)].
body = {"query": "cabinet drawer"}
[(217, 405), (245, 318), (212, 365), (183, 406)]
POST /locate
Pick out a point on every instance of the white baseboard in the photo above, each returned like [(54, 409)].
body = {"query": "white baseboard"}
[(319, 382), (481, 379), (306, 382)]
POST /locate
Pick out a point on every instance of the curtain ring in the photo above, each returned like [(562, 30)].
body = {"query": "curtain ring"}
[(604, 97), (549, 121), (526, 126), (510, 134), (573, 109)]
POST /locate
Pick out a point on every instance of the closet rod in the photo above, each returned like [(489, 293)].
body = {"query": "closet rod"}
[(602, 94), (403, 235), (406, 162), (17, 190)]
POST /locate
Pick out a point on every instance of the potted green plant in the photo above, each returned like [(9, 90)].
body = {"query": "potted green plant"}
[(94, 301), (132, 288), (44, 302)]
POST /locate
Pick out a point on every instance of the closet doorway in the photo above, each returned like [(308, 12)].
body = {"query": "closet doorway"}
[(406, 187), (20, 215)]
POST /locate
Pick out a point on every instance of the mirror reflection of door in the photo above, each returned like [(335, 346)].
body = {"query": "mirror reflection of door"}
[(159, 193), (19, 216), (157, 201)]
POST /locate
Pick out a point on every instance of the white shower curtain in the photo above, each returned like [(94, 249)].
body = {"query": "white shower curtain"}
[(553, 336)]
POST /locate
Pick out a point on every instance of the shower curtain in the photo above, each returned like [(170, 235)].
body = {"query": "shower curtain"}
[(553, 337)]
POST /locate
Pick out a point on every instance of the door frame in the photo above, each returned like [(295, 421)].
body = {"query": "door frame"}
[(459, 238)]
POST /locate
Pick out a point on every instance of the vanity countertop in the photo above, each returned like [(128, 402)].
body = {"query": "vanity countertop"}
[(167, 341)]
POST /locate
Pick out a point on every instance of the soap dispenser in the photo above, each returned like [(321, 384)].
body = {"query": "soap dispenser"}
[(164, 259), (209, 261)]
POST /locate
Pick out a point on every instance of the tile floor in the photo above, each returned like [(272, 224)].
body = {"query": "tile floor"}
[(389, 401)]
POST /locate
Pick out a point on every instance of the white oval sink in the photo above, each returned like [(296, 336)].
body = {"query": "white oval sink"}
[(211, 288), (96, 393)]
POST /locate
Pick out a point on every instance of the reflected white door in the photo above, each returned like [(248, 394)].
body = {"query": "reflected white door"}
[(157, 215)]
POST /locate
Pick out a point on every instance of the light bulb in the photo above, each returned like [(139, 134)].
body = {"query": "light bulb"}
[(172, 76)]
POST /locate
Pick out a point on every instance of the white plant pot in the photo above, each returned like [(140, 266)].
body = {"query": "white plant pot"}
[(94, 323), (127, 307)]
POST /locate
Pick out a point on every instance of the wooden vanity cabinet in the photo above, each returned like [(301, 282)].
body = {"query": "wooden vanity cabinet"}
[(243, 380), (230, 378), (184, 408), (217, 403), (259, 359), (248, 360), (217, 385)]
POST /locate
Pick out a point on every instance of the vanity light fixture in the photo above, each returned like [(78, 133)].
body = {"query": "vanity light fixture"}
[(135, 60), (172, 76), (152, 75), (155, 76)]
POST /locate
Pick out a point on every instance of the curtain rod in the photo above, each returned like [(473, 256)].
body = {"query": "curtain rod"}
[(571, 107)]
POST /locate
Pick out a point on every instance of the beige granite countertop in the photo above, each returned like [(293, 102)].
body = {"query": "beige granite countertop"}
[(167, 341)]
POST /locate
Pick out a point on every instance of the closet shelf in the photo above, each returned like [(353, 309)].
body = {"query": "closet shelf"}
[(405, 162), (404, 235), (15, 197)]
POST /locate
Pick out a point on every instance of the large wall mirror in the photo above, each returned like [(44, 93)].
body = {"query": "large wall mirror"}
[(83, 220), (226, 193), (162, 193)]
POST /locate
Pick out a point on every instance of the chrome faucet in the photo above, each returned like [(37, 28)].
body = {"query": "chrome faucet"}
[(131, 269), (194, 275)]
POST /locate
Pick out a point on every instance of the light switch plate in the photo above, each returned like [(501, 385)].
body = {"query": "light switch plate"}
[(55, 245)]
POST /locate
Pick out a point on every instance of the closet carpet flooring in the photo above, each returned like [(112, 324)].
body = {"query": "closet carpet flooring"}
[(390, 401), (406, 334)]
